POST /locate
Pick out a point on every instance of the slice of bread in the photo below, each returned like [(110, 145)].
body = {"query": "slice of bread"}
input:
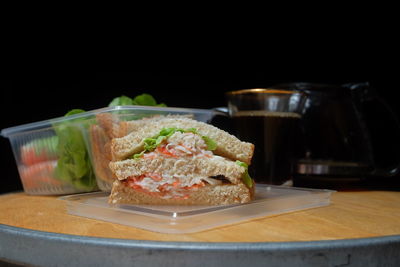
[(227, 145), (207, 195), (111, 124), (101, 153), (108, 127), (115, 126), (188, 166)]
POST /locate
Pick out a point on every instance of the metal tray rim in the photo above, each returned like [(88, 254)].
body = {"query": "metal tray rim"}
[(40, 248), (186, 245)]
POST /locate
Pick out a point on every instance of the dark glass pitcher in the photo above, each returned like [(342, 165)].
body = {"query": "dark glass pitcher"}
[(350, 134)]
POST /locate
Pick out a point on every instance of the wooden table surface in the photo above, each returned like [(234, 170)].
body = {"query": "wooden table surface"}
[(351, 215)]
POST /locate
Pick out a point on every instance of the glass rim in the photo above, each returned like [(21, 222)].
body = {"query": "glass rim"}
[(262, 91)]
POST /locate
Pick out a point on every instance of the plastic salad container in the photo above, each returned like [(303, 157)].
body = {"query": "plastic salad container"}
[(70, 154), (113, 122), (52, 156)]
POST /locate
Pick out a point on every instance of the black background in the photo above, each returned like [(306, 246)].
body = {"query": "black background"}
[(29, 97)]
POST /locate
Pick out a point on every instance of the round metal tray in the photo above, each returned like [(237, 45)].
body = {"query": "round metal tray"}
[(24, 246)]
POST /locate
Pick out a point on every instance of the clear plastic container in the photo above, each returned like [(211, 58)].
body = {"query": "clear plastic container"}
[(269, 200), (69, 155), (114, 122), (52, 156)]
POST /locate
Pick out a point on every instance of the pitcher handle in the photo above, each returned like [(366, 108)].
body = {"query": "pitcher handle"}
[(366, 94), (222, 110)]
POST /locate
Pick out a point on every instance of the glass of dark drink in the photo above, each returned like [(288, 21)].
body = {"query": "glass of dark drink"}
[(271, 120)]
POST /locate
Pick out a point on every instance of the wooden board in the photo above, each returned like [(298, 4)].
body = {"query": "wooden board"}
[(351, 215)]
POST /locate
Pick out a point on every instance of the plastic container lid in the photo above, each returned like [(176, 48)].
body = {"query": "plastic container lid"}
[(269, 200), (7, 132)]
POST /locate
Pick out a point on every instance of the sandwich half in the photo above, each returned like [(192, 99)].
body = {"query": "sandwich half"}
[(180, 161)]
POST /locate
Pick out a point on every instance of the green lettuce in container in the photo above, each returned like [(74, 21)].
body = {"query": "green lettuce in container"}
[(74, 165), (141, 100)]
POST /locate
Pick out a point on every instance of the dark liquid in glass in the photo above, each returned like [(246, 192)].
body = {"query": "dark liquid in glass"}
[(276, 136)]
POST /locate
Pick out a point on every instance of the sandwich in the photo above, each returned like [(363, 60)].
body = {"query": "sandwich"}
[(175, 160)]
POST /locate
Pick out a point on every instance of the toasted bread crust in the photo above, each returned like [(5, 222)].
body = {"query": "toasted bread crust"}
[(207, 195), (112, 126), (108, 128), (101, 154), (228, 145)]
